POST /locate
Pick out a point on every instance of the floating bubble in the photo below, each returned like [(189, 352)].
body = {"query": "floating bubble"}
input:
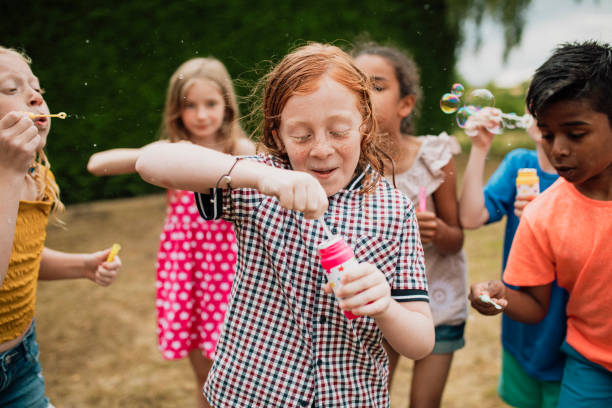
[(480, 98), (457, 89), (513, 121), (464, 113), (449, 103)]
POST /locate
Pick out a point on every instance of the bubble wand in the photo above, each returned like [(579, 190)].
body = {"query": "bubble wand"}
[(61, 115), (113, 252), (475, 101), (325, 228), (487, 299), (422, 199)]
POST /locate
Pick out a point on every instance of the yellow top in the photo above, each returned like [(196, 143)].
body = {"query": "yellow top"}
[(18, 291)]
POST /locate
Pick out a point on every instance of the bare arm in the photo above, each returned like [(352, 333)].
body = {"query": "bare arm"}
[(113, 162), (194, 168), (244, 147), (11, 186), (448, 236), (61, 265), (472, 210), (409, 329), (19, 141), (529, 304)]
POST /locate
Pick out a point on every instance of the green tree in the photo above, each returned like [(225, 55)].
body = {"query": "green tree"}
[(107, 63)]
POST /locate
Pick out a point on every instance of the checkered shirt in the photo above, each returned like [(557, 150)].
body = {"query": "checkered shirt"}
[(285, 343)]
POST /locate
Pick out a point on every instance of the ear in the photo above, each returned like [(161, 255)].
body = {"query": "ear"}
[(406, 104), (277, 141)]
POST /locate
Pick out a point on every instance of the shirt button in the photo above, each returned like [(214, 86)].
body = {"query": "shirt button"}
[(303, 403), (322, 319), (319, 362)]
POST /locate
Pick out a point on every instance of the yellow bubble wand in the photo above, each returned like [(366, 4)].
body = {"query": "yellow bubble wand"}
[(61, 115), (113, 252)]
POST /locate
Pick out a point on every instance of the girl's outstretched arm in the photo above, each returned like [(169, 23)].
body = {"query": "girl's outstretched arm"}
[(113, 162), (186, 166), (61, 265), (116, 161)]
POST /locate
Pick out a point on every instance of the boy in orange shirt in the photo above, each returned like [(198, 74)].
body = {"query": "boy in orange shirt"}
[(565, 232)]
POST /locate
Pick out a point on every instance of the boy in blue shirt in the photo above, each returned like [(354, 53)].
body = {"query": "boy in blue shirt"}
[(532, 362)]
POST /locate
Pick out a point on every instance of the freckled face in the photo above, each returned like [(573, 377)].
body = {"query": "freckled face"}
[(20, 91), (577, 140), (320, 134)]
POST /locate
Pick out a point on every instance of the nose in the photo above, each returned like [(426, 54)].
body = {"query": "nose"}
[(322, 147), (35, 98), (202, 112), (560, 147)]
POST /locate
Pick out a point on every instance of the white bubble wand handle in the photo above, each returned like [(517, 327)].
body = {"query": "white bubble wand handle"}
[(325, 228), (487, 299)]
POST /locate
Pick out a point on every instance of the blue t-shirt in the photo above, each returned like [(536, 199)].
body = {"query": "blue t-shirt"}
[(535, 346)]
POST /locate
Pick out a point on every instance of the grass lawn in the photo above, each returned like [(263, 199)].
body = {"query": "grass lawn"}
[(99, 345)]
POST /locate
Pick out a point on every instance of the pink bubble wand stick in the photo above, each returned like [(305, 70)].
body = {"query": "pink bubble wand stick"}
[(422, 199)]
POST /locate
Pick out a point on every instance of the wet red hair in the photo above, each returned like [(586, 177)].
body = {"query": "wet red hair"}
[(300, 73)]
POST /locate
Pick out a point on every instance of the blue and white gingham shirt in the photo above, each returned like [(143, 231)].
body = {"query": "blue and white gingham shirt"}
[(285, 343)]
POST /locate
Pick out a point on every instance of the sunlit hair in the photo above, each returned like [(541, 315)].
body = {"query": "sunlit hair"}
[(300, 73), (186, 75), (575, 71), (406, 73), (46, 186)]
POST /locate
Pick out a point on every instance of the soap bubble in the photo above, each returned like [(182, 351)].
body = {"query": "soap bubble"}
[(449, 103), (464, 113), (480, 98), (457, 89)]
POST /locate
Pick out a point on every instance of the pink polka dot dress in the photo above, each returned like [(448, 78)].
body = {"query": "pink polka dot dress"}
[(195, 269)]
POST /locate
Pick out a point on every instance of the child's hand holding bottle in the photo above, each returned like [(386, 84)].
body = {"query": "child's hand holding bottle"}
[(527, 188), (364, 291)]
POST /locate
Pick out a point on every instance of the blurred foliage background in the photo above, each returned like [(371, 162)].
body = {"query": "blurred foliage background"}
[(107, 63)]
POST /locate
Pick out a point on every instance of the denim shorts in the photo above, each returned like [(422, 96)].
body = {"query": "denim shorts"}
[(449, 338), (21, 381)]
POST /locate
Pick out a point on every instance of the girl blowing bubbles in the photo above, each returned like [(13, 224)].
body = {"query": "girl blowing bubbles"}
[(286, 340), (29, 195), (423, 162), (196, 258)]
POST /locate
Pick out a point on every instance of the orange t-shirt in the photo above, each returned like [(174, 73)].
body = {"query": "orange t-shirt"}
[(566, 235)]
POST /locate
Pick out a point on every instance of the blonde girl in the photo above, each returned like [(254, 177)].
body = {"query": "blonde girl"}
[(195, 261), (286, 340), (29, 196)]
